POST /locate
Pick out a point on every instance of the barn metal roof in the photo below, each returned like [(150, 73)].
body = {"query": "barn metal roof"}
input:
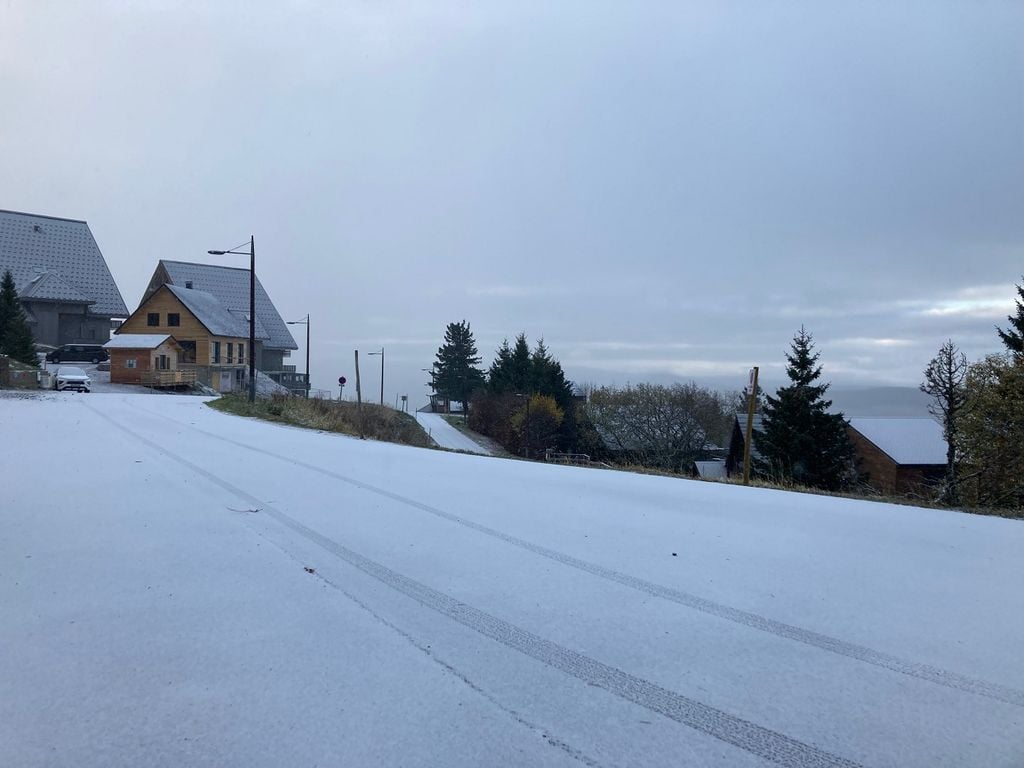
[(57, 260), (905, 441), (230, 285)]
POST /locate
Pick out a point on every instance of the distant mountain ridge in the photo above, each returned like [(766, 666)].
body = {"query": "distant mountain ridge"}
[(880, 402)]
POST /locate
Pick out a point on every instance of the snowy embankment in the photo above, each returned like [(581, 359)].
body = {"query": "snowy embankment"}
[(184, 587), (447, 436)]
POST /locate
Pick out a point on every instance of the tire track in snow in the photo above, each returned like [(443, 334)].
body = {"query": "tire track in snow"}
[(760, 741), (921, 671)]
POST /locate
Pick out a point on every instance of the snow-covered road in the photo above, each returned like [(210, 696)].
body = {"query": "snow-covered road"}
[(447, 436), (184, 587)]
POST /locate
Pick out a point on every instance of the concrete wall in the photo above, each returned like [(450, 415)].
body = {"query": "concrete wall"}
[(62, 323)]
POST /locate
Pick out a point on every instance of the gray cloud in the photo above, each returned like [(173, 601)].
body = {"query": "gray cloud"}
[(684, 184)]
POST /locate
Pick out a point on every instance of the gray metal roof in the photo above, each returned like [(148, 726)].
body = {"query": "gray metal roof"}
[(49, 286), (211, 313), (32, 245), (230, 285)]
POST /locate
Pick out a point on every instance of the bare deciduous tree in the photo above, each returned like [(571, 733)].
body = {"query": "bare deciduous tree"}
[(945, 380), (656, 425)]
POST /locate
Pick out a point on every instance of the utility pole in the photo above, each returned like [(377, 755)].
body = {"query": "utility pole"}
[(359, 398), (751, 402), (374, 354)]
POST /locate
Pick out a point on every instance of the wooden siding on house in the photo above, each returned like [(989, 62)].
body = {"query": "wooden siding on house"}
[(145, 362), (163, 302), (885, 475), (120, 373)]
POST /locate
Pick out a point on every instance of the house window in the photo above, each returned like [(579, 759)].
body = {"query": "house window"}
[(153, 319), (174, 319), (162, 363), (231, 352), (216, 351), (129, 362), (241, 352), (188, 351)]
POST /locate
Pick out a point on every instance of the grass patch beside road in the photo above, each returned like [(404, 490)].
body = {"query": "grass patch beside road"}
[(376, 422)]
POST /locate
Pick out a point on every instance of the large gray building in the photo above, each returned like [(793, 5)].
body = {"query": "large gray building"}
[(63, 283), (230, 286)]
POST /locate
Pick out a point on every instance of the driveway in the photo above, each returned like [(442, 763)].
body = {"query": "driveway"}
[(447, 436)]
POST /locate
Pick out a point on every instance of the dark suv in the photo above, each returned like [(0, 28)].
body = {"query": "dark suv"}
[(81, 353)]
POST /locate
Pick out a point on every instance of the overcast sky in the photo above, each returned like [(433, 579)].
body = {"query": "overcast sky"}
[(660, 190)]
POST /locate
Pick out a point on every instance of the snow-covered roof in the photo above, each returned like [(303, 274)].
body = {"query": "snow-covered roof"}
[(49, 286), (905, 441), (34, 247), (230, 286), (209, 311), (137, 341), (711, 470)]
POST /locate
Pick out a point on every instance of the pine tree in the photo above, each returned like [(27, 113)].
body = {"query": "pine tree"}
[(500, 373), (521, 370), (1013, 337), (800, 441), (15, 334), (456, 373), (945, 380), (8, 301)]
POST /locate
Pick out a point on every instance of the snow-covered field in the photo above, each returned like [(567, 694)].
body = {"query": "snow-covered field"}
[(181, 587), (447, 436)]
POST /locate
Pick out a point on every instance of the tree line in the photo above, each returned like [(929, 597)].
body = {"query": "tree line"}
[(981, 407), (525, 402)]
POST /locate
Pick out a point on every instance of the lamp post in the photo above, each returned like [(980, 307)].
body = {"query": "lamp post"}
[(252, 309), (305, 323), (381, 353)]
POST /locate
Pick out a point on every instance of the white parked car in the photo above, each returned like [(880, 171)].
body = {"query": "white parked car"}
[(70, 377)]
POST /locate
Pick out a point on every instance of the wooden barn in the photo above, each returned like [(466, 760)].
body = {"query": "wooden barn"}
[(901, 456)]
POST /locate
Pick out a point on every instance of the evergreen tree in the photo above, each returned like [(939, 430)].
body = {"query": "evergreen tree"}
[(1013, 337), (15, 334), (8, 301), (800, 441), (520, 373), (456, 373), (499, 376)]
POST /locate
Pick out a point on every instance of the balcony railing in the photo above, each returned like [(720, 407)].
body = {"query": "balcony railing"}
[(178, 378)]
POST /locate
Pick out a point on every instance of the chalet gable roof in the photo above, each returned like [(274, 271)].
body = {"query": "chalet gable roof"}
[(230, 286), (33, 247)]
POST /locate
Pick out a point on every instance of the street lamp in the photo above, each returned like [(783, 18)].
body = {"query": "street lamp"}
[(305, 323), (381, 353), (252, 309)]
